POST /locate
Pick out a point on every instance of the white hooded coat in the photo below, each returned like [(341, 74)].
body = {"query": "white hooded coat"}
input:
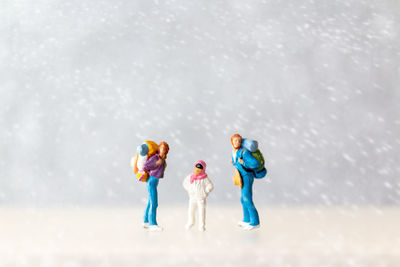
[(199, 189)]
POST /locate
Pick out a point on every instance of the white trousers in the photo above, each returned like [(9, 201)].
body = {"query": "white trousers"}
[(199, 204)]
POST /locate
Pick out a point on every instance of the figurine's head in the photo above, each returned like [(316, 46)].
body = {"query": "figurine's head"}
[(199, 167), (236, 141), (163, 149)]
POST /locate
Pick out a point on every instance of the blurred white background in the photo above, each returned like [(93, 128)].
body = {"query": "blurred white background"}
[(83, 83)]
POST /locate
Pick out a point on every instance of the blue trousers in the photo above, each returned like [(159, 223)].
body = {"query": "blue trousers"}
[(150, 212), (250, 214)]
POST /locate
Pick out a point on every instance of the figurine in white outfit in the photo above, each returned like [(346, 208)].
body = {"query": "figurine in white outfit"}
[(198, 186)]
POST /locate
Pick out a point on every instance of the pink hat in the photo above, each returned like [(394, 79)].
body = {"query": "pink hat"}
[(200, 176)]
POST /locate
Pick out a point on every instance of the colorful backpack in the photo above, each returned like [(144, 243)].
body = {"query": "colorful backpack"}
[(252, 147), (144, 151)]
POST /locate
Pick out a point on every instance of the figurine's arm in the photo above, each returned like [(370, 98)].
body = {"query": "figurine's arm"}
[(237, 165), (186, 183), (150, 164), (238, 162), (249, 161), (209, 186)]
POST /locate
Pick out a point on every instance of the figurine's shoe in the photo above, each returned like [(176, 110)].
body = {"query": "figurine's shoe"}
[(251, 227), (155, 228), (242, 224), (145, 225), (202, 228), (188, 226)]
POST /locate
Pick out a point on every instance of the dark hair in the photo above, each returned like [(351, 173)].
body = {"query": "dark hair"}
[(198, 165)]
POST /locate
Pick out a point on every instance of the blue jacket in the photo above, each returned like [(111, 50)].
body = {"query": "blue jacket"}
[(249, 162)]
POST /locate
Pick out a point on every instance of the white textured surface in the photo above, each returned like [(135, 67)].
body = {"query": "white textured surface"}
[(113, 237)]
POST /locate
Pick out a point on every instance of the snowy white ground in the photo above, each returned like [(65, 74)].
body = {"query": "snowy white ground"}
[(112, 236)]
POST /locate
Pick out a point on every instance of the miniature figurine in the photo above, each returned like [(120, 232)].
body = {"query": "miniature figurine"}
[(198, 186), (155, 166), (249, 164)]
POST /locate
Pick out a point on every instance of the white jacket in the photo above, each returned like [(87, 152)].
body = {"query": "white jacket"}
[(199, 189)]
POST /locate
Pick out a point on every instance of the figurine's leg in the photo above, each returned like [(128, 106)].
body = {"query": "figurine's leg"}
[(146, 212), (247, 197), (254, 219), (202, 214), (191, 213), (246, 215), (153, 197), (243, 200)]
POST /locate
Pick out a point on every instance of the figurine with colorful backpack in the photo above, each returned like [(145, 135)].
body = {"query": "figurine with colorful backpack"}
[(249, 164), (155, 167), (144, 151)]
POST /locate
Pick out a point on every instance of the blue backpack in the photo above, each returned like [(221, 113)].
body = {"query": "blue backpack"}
[(252, 147)]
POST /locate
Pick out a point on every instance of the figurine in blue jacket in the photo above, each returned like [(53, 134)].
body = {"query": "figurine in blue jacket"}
[(250, 165)]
